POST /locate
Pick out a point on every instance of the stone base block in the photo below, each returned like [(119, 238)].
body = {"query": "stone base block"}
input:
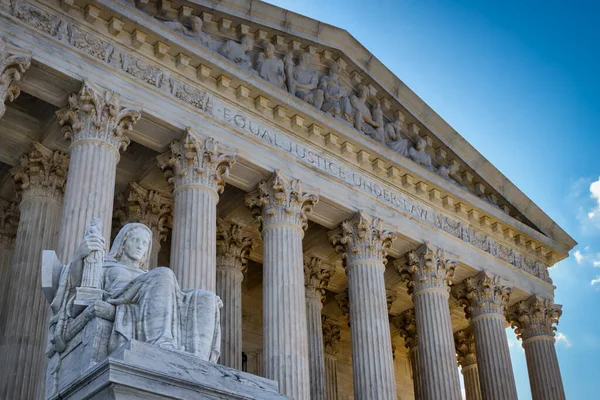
[(142, 371)]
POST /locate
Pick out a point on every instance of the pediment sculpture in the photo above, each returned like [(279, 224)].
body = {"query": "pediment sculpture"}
[(238, 52), (194, 30), (302, 80), (270, 68), (100, 303)]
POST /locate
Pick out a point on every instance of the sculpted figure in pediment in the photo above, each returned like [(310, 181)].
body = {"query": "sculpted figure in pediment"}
[(270, 68), (365, 120), (238, 52), (449, 173), (394, 139), (335, 100), (194, 31), (419, 155), (302, 80)]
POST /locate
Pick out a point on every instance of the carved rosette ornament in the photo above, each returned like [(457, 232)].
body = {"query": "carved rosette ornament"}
[(233, 246), (9, 222), (483, 294), (97, 114), (426, 268), (42, 173), (464, 341), (361, 239), (533, 317), (13, 64), (406, 324), (195, 162), (281, 201), (316, 277), (331, 336), (145, 206)]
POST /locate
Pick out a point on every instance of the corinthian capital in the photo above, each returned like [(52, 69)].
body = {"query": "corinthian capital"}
[(42, 173), (534, 316), (483, 293), (316, 277), (464, 342), (331, 335), (233, 246), (192, 161), (343, 303), (9, 222), (406, 324), (98, 114), (145, 206), (426, 268), (281, 200), (13, 64), (362, 239)]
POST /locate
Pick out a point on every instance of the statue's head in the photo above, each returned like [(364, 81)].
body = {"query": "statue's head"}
[(247, 43), (196, 23), (132, 245), (269, 50), (334, 68), (363, 91), (304, 59), (421, 144)]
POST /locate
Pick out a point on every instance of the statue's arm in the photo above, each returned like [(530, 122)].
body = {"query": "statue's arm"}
[(90, 243)]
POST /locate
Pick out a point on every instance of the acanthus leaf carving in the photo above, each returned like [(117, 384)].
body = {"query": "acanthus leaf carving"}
[(464, 341), (426, 268), (483, 293), (13, 64), (406, 324), (535, 316), (233, 246), (331, 335), (316, 277), (9, 222)]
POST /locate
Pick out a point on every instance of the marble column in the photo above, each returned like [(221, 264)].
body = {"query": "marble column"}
[(233, 247), (14, 62), (427, 272), (148, 207), (485, 298), (331, 341), (281, 206), (316, 279), (535, 319), (465, 355), (97, 122), (39, 181), (196, 170), (9, 222), (363, 242), (406, 324)]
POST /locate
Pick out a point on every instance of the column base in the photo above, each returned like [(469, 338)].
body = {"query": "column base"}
[(139, 370)]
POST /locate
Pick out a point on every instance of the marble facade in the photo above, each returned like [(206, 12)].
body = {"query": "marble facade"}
[(287, 170)]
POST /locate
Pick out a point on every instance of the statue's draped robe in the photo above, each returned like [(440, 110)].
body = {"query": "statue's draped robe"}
[(150, 307)]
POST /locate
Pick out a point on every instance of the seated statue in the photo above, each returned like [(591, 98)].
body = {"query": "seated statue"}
[(335, 100), (394, 139), (195, 31), (302, 80), (364, 120), (420, 156), (135, 304), (237, 52), (270, 68)]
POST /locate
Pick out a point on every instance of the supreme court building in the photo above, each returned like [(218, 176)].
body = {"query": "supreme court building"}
[(361, 247)]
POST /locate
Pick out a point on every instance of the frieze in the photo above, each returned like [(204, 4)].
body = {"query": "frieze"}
[(110, 54)]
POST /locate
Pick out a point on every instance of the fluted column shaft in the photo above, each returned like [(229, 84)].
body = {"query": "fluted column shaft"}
[(416, 373), (331, 385), (427, 272), (196, 170), (153, 260), (534, 320), (485, 298), (467, 359), (281, 205), (471, 378), (229, 289), (331, 341), (363, 242), (406, 324), (316, 353)]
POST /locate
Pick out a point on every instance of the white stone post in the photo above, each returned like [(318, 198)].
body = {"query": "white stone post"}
[(316, 279), (428, 272), (534, 320), (39, 181), (149, 208), (406, 324), (97, 122), (485, 298), (9, 222), (331, 341), (363, 243), (465, 355), (196, 170), (14, 62), (233, 247), (281, 205)]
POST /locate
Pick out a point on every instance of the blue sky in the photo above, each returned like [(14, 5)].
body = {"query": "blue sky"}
[(520, 81)]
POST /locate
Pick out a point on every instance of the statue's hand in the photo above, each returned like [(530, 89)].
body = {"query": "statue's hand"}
[(104, 310), (90, 243)]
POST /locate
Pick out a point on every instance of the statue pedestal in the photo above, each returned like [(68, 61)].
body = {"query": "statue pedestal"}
[(143, 371)]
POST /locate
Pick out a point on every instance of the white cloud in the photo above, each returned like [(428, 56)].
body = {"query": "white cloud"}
[(561, 338), (595, 281), (595, 194), (578, 257)]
